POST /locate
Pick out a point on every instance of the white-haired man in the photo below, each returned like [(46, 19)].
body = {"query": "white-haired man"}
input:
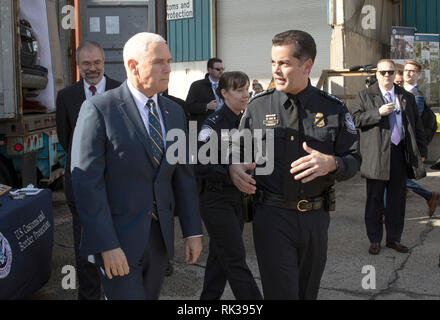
[(126, 190)]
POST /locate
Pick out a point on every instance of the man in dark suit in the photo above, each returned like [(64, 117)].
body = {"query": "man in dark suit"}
[(393, 147), (202, 99), (90, 59), (125, 187), (411, 73)]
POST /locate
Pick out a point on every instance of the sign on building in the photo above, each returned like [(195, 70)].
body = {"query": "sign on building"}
[(179, 9)]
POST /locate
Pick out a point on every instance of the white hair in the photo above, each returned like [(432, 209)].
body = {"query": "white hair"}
[(136, 47)]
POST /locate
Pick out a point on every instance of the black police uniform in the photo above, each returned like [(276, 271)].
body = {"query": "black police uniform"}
[(221, 211), (292, 218)]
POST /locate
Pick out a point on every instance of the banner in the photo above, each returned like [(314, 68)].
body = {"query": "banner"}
[(402, 44), (426, 52)]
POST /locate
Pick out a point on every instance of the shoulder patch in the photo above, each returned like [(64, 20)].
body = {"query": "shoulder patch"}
[(204, 134), (264, 93), (349, 124), (331, 97)]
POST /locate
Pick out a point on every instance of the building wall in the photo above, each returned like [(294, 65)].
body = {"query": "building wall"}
[(245, 29), (353, 44), (422, 14), (241, 33)]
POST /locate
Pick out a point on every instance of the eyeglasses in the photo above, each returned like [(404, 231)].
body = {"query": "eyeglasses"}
[(383, 73), (219, 69)]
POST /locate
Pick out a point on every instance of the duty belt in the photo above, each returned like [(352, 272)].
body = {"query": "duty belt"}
[(276, 200)]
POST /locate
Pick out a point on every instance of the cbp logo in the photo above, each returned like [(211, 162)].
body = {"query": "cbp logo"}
[(5, 257)]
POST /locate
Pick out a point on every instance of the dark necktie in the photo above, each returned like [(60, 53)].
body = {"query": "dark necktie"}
[(395, 135), (155, 132), (93, 89), (292, 150)]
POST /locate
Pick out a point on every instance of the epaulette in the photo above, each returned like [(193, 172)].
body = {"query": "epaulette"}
[(265, 92), (331, 97), (214, 117)]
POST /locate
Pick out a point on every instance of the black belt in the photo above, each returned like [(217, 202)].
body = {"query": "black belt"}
[(276, 200), (214, 186)]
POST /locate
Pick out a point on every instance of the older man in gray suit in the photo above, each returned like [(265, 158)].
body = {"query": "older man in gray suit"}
[(124, 187)]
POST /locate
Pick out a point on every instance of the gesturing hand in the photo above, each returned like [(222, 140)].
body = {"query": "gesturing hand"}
[(242, 180), (212, 105), (314, 165)]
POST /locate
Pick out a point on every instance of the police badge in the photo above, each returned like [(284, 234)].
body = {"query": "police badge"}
[(319, 120)]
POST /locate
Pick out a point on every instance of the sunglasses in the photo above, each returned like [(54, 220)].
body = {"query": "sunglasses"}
[(220, 69), (383, 73)]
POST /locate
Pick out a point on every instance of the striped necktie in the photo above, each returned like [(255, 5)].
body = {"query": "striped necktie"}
[(155, 132)]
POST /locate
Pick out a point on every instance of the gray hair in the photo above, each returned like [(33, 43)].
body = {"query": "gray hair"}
[(136, 47), (88, 44)]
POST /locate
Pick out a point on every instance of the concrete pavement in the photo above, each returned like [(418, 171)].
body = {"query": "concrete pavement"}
[(414, 276)]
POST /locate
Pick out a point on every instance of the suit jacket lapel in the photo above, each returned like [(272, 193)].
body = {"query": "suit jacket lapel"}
[(168, 123), (402, 100), (107, 84), (78, 96), (129, 109), (376, 95)]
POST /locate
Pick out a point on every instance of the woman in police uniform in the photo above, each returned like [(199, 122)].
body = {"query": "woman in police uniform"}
[(220, 200)]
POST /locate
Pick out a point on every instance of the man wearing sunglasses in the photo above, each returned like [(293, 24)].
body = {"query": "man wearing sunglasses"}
[(392, 145), (202, 99)]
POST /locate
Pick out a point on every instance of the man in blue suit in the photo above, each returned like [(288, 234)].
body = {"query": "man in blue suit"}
[(125, 189)]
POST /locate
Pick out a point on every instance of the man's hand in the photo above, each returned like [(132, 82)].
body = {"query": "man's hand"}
[(193, 248), (115, 263), (243, 181), (212, 105), (386, 109), (314, 165)]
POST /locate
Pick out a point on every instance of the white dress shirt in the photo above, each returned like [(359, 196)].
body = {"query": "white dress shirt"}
[(141, 100), (219, 100), (409, 87), (100, 88)]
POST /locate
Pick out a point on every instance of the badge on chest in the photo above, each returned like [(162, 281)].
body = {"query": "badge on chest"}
[(319, 120), (271, 120)]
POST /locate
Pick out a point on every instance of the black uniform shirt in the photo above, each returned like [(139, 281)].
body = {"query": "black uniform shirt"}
[(313, 116), (214, 137)]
